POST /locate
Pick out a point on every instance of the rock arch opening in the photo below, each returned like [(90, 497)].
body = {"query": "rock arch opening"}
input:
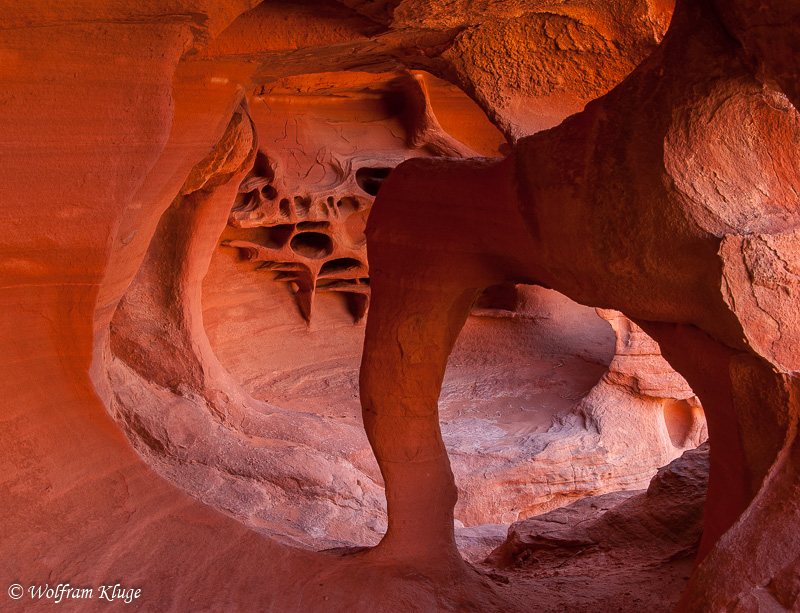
[(515, 399)]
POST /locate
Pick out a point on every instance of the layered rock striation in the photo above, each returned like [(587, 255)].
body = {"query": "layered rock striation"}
[(671, 197)]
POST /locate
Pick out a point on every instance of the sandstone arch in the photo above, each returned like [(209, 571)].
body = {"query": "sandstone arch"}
[(601, 209)]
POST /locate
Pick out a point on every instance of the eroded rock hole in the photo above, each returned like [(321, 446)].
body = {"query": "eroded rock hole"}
[(273, 237), (339, 265), (371, 179), (256, 185), (245, 203), (349, 205), (262, 168), (312, 245), (302, 204)]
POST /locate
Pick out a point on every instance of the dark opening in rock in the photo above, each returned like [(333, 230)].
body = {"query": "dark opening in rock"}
[(370, 179), (312, 244)]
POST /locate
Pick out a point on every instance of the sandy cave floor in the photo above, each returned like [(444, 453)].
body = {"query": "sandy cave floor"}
[(599, 586)]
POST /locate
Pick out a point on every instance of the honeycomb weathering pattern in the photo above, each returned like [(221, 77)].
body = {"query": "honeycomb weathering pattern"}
[(314, 242), (327, 143)]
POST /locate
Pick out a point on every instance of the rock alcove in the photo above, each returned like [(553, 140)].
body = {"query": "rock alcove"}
[(189, 317)]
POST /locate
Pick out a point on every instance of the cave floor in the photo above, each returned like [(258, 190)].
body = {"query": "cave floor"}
[(595, 585)]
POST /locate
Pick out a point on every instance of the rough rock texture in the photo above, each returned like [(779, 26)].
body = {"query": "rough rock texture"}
[(547, 59), (623, 551), (768, 33), (665, 522)]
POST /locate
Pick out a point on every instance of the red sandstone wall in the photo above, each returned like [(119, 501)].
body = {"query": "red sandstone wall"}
[(104, 117)]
